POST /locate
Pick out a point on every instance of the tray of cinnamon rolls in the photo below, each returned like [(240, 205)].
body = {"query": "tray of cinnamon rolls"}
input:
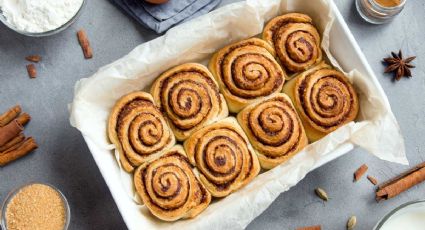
[(209, 128), (203, 133)]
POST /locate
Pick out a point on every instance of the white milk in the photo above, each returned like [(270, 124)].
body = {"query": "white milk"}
[(411, 217)]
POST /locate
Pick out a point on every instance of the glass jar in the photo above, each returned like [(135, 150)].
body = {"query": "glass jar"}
[(11, 195), (375, 13)]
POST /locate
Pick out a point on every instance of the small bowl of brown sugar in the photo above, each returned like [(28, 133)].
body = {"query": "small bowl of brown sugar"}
[(35, 206)]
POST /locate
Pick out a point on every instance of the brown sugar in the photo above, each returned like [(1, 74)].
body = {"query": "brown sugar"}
[(36, 207)]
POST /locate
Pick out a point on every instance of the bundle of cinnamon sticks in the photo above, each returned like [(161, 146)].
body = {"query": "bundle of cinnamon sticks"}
[(13, 143)]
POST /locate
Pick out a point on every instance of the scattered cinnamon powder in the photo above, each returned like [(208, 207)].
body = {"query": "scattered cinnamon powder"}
[(32, 71), (372, 179), (316, 227), (33, 58), (360, 172), (85, 44), (36, 207)]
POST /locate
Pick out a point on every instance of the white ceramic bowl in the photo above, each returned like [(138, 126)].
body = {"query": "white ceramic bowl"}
[(47, 33)]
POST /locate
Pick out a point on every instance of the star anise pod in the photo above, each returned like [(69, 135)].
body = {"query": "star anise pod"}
[(400, 66)]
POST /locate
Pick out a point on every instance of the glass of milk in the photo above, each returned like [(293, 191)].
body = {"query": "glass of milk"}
[(408, 216)]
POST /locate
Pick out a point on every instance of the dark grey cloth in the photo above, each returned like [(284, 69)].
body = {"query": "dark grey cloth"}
[(162, 17)]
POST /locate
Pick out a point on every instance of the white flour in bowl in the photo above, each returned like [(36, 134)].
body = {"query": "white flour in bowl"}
[(37, 16)]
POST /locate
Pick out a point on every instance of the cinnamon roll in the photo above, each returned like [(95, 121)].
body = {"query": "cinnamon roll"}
[(138, 130), (247, 70), (169, 188), (324, 98), (222, 154), (274, 129), (296, 41), (189, 97)]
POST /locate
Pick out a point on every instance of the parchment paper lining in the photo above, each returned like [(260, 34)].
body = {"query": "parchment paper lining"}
[(376, 130)]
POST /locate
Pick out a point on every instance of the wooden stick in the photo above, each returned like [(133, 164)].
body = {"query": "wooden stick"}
[(26, 147), (12, 143), (23, 119), (360, 172), (9, 115), (9, 132), (85, 44), (401, 183)]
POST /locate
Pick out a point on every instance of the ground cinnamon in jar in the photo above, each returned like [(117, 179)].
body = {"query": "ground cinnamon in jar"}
[(379, 11), (388, 3), (36, 207)]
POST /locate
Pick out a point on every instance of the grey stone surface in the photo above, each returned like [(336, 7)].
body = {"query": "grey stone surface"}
[(64, 160)]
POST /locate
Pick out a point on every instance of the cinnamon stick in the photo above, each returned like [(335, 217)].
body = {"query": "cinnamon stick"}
[(360, 172), (85, 44), (9, 115), (26, 147), (372, 180), (10, 131), (316, 227), (401, 183), (15, 141), (32, 71), (33, 58), (23, 119), (13, 147)]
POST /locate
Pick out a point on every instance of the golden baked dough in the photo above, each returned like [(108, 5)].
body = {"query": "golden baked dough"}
[(324, 98), (223, 156), (169, 188), (274, 129), (246, 71), (138, 130), (296, 41), (189, 97)]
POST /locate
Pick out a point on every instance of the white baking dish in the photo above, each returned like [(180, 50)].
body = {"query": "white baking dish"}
[(377, 130)]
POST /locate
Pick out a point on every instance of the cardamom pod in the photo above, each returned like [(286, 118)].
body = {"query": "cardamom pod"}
[(351, 224), (322, 194)]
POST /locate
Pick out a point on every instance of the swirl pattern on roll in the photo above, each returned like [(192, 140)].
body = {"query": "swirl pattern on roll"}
[(222, 154), (325, 98), (189, 97), (274, 129), (296, 41), (138, 129), (247, 70), (169, 188)]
